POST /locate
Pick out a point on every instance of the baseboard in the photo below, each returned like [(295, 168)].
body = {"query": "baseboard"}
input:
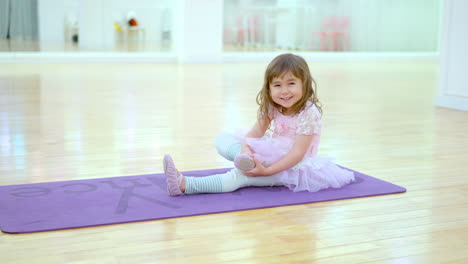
[(109, 57), (454, 102)]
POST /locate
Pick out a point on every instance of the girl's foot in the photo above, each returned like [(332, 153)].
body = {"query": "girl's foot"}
[(244, 162), (173, 177)]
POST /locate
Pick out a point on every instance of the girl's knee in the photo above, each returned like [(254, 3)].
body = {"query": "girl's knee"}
[(234, 180), (228, 146), (267, 181)]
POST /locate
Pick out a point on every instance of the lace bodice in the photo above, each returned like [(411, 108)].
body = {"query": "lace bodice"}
[(307, 122)]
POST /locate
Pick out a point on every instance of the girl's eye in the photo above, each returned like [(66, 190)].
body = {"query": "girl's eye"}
[(276, 85), (292, 83)]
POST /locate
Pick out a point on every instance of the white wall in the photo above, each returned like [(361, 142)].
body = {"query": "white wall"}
[(200, 30), (453, 85), (48, 30)]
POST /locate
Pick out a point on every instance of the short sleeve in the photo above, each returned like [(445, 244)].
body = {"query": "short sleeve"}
[(309, 121)]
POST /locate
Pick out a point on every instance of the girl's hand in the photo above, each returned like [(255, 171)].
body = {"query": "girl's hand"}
[(259, 170)]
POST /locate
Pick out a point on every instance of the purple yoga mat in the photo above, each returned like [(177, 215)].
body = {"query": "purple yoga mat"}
[(82, 203)]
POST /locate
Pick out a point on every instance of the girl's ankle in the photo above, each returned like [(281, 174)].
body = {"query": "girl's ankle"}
[(182, 184)]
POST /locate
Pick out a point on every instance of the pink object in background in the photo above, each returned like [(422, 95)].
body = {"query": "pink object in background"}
[(334, 35)]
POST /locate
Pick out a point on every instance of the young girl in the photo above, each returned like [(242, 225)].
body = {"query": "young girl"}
[(285, 157)]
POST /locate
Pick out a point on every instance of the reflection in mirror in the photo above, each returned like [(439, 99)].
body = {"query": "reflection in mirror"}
[(331, 26), (86, 25)]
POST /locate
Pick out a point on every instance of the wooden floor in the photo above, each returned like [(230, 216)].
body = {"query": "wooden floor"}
[(65, 122)]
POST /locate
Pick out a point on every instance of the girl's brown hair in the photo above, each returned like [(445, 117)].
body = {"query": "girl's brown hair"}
[(279, 66)]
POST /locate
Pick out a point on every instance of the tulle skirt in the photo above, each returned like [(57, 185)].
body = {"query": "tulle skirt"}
[(311, 174)]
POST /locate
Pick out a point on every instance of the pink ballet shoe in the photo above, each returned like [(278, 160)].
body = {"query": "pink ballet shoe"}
[(244, 162), (173, 177)]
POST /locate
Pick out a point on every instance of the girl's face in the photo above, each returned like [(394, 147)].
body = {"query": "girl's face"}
[(286, 90)]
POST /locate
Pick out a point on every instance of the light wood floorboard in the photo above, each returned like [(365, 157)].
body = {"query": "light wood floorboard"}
[(79, 121)]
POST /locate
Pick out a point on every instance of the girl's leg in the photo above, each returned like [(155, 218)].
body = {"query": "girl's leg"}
[(219, 183), (228, 146), (227, 182), (263, 181)]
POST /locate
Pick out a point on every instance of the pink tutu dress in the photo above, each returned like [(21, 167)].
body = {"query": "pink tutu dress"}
[(312, 173)]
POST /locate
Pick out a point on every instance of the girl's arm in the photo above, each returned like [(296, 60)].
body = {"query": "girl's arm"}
[(258, 130), (301, 145)]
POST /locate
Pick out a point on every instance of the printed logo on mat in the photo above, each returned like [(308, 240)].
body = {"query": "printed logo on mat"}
[(127, 189)]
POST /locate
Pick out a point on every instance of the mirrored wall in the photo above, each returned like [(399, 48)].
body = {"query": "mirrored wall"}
[(332, 25), (248, 25), (86, 25)]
